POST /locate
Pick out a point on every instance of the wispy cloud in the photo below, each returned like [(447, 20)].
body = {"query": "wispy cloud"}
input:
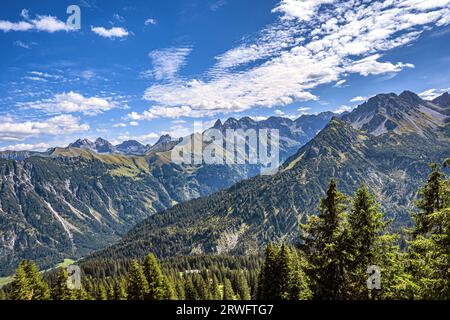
[(72, 102), (314, 42), (433, 93), (167, 62)]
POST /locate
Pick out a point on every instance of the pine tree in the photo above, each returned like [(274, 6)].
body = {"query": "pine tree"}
[(241, 286), (430, 200), (137, 283), (169, 290), (155, 278), (267, 282), (429, 250), (228, 293), (215, 289), (369, 245), (59, 289), (324, 242), (102, 292), (38, 286), (21, 287), (120, 291)]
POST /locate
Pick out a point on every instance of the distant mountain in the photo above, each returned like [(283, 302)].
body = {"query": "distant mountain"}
[(406, 113), (131, 147), (391, 160), (100, 145)]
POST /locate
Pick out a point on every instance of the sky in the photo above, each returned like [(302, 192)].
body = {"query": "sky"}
[(140, 69)]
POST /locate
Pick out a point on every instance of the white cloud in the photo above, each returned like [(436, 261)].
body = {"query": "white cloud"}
[(134, 123), (120, 125), (26, 147), (40, 23), (358, 99), (72, 102), (167, 62), (148, 138), (433, 93), (300, 9), (343, 109), (162, 112), (115, 32), (371, 65), (150, 21), (291, 57), (12, 130), (340, 83)]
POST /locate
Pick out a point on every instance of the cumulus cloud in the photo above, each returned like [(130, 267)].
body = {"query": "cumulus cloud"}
[(40, 23), (313, 43), (26, 147), (11, 130), (300, 9), (72, 102), (115, 32)]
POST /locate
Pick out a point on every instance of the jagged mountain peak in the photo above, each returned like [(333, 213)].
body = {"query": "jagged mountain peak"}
[(443, 100), (404, 113)]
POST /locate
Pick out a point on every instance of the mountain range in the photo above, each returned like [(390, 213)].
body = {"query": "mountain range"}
[(68, 202), (387, 143)]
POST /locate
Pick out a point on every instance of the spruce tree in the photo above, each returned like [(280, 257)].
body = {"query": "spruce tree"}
[(324, 242), (267, 282), (429, 250), (228, 293), (37, 284), (21, 287), (155, 278), (370, 245), (137, 283), (241, 286), (59, 289)]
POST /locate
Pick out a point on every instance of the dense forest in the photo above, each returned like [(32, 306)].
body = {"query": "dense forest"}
[(347, 251)]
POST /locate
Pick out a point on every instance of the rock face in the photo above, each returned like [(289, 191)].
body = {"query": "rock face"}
[(70, 201), (392, 162), (406, 113)]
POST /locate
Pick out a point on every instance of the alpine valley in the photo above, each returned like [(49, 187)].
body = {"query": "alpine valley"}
[(68, 202)]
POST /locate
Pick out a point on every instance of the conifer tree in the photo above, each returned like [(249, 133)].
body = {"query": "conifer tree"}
[(228, 293), (137, 283), (38, 286), (241, 286), (429, 250), (324, 242), (430, 200), (59, 289), (21, 287), (120, 291), (155, 278), (267, 282), (369, 245), (216, 292)]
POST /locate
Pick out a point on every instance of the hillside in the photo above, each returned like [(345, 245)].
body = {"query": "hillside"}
[(244, 217), (68, 202)]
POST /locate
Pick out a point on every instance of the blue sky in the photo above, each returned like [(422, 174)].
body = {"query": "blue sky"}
[(136, 70)]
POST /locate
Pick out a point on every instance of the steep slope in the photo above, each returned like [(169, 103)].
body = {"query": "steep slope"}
[(243, 218), (404, 113)]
